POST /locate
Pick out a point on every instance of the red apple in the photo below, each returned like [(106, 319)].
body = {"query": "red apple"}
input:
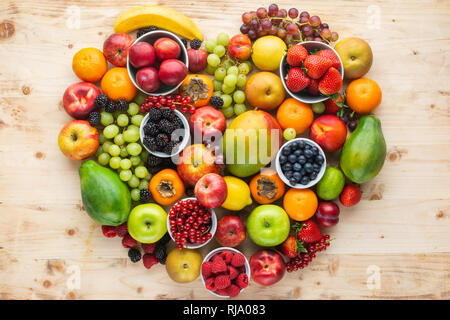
[(230, 231), (167, 48), (327, 214), (147, 79), (172, 72), (78, 140), (240, 47), (197, 60), (211, 190), (194, 162), (142, 54), (207, 121), (267, 267), (116, 48), (329, 132), (79, 99)]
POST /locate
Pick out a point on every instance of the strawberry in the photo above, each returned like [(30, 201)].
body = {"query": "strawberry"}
[(331, 106), (296, 55), (330, 55), (308, 231), (289, 247), (313, 87), (296, 80), (317, 66), (350, 196), (331, 82)]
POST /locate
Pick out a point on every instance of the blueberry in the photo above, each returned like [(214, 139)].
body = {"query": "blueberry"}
[(307, 146), (301, 144), (294, 145), (293, 181), (315, 151), (319, 159), (283, 159), (308, 153), (297, 166), (287, 167), (297, 176), (289, 174), (313, 176), (305, 180), (316, 167), (292, 158), (302, 159), (286, 151), (308, 167), (303, 171), (298, 152)]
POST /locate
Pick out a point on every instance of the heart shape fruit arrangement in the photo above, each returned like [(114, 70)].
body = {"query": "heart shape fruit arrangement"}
[(163, 164)]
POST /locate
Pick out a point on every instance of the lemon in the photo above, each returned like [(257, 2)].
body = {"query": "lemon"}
[(268, 52), (238, 196)]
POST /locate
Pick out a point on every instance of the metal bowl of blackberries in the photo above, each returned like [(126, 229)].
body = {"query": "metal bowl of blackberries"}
[(164, 132), (300, 163)]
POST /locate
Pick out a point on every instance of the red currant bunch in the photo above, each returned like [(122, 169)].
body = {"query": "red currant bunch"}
[(170, 101), (304, 258), (190, 223)]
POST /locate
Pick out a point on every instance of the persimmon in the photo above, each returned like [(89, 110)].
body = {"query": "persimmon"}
[(166, 187), (199, 87), (267, 187)]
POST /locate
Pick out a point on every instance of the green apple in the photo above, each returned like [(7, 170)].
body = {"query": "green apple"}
[(147, 223), (268, 225)]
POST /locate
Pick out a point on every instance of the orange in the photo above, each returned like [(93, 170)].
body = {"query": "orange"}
[(300, 204), (116, 84), (363, 95), (295, 114), (89, 64)]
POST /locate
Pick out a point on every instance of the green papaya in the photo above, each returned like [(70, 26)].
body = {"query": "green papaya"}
[(105, 197), (364, 151)]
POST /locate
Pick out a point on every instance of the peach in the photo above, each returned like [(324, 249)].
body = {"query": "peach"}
[(79, 99), (329, 132), (240, 47)]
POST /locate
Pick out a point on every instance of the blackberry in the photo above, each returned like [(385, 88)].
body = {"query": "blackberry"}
[(144, 195), (94, 118), (167, 114), (161, 141), (150, 142), (122, 105), (170, 147), (151, 129), (165, 239), (216, 102), (143, 31), (184, 42), (166, 126), (178, 124), (134, 254), (196, 44), (153, 161), (110, 106), (160, 253), (154, 115), (101, 101)]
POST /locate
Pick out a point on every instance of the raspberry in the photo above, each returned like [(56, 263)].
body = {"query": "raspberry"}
[(218, 265), (242, 280), (238, 260), (149, 260), (134, 254), (227, 256), (122, 230), (232, 272), (210, 284), (128, 241), (109, 231), (207, 270), (233, 290), (222, 281), (222, 292), (148, 247)]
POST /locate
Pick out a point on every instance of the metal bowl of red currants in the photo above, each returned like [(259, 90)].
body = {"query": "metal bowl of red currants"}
[(157, 62), (304, 95), (300, 163), (190, 224)]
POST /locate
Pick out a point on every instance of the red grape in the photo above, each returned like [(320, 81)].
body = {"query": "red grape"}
[(273, 30), (261, 13), (325, 33), (306, 30), (314, 21), (324, 26), (252, 34), (246, 17), (293, 13), (283, 12), (254, 24), (317, 39), (266, 24), (334, 36), (292, 28), (304, 14), (303, 19), (273, 10), (281, 33), (244, 29)]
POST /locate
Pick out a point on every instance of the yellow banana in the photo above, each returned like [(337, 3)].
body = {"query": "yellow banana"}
[(161, 17)]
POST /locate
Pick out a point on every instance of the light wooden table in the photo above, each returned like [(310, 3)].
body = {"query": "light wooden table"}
[(398, 234)]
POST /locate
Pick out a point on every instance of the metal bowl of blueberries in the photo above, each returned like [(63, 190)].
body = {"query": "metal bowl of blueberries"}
[(300, 163), (164, 132)]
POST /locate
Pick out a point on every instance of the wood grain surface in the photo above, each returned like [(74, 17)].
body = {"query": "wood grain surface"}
[(398, 234)]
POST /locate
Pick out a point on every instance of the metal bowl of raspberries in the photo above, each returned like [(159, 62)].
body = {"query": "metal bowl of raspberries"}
[(304, 95), (238, 272), (300, 163), (164, 133), (210, 226)]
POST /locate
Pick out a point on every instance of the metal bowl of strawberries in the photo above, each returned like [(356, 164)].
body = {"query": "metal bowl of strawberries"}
[(311, 71), (225, 272)]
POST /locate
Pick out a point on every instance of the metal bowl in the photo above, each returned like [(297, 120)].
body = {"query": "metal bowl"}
[(151, 37), (303, 95)]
